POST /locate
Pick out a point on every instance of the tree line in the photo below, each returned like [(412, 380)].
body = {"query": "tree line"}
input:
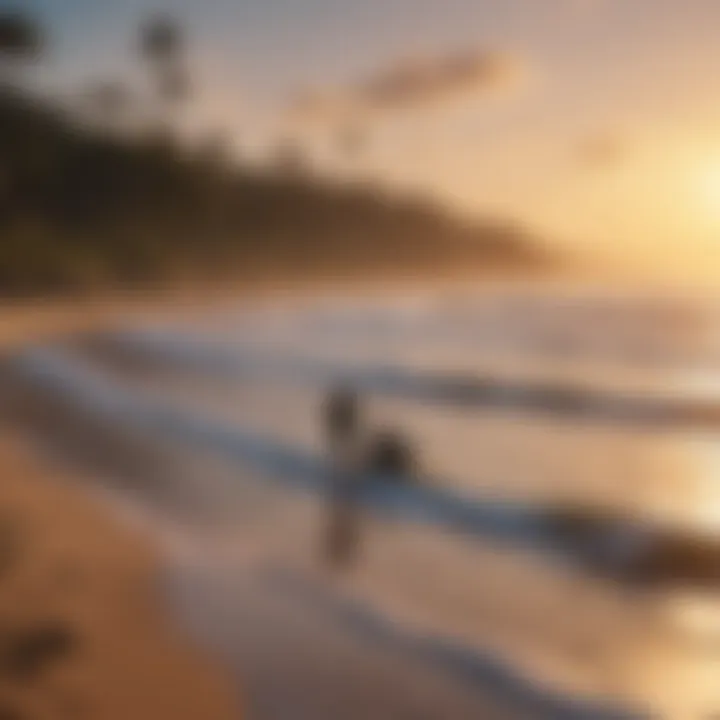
[(85, 203)]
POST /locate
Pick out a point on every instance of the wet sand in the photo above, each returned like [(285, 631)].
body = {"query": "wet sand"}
[(69, 570), (85, 631)]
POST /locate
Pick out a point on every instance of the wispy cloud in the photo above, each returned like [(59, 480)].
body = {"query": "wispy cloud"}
[(412, 85)]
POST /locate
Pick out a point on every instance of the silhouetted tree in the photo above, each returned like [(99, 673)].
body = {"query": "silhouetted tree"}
[(82, 209), (174, 86), (109, 104), (21, 41), (162, 45), (162, 41)]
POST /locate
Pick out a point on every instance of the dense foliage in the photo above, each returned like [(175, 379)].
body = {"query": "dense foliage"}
[(91, 208)]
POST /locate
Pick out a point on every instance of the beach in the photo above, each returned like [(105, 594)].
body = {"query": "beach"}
[(84, 624), (198, 428)]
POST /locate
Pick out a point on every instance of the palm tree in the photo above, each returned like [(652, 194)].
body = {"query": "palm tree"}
[(21, 42), (162, 46), (174, 86), (109, 104)]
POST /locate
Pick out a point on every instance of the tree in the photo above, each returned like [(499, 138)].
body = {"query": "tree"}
[(21, 42), (109, 104), (162, 46), (161, 41)]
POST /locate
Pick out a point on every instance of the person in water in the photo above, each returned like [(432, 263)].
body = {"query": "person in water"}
[(356, 459), (343, 426)]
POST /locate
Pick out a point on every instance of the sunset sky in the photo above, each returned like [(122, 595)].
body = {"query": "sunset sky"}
[(596, 123)]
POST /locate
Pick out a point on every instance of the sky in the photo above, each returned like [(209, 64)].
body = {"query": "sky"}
[(593, 123)]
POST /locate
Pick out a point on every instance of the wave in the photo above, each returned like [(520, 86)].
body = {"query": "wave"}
[(80, 389), (655, 408)]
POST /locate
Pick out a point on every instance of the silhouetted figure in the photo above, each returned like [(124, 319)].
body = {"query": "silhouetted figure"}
[(390, 454), (356, 458), (342, 533), (342, 420), (342, 416)]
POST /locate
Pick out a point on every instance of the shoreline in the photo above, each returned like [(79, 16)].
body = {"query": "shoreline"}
[(81, 586), (249, 624)]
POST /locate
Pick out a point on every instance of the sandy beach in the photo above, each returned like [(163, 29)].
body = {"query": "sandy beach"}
[(84, 629)]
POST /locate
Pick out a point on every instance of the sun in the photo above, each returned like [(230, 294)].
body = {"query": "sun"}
[(708, 193)]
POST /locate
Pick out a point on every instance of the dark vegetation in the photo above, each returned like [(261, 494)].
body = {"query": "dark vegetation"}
[(89, 201)]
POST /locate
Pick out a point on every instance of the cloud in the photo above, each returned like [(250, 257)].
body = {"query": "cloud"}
[(409, 85), (413, 85)]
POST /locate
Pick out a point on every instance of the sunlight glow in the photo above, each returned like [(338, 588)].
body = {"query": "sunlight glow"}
[(708, 189)]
